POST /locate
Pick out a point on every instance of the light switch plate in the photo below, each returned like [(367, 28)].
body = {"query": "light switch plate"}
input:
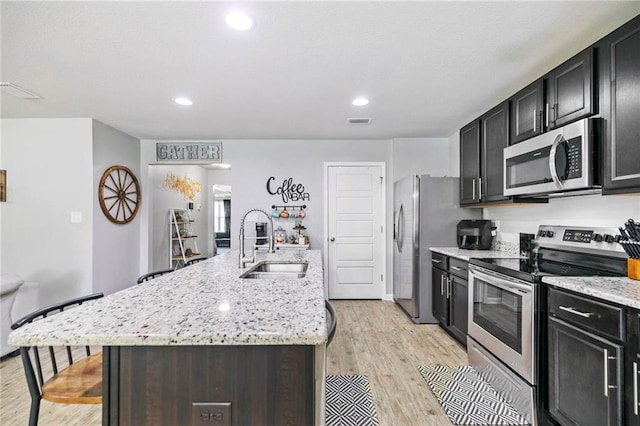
[(75, 217), (211, 413)]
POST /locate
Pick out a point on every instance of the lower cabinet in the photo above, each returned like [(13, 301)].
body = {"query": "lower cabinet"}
[(450, 295), (632, 366), (585, 377), (587, 373)]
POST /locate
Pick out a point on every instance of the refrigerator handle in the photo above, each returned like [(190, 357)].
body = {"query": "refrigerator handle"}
[(399, 241), (394, 225)]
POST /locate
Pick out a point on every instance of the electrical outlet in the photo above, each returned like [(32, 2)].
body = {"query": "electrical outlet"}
[(211, 413)]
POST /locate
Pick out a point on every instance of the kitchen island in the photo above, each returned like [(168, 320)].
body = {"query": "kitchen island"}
[(202, 335)]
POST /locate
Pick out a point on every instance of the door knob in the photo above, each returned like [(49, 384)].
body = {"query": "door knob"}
[(332, 239)]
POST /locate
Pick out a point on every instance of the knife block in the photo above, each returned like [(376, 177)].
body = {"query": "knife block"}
[(633, 269)]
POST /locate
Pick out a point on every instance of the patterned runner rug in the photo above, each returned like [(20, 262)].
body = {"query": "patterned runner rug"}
[(467, 398), (349, 402)]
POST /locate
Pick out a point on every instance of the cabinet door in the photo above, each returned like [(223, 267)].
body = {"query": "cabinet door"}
[(439, 287), (470, 163), (495, 138), (570, 92), (620, 81), (585, 375), (458, 308), (632, 367), (526, 112)]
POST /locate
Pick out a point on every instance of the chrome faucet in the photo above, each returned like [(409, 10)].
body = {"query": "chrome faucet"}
[(242, 259)]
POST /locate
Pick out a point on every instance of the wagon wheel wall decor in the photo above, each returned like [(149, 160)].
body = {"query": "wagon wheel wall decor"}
[(119, 194)]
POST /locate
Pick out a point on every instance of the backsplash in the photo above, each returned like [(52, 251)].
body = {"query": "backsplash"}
[(505, 246), (585, 210)]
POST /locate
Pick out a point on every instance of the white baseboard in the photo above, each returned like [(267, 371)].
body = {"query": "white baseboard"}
[(388, 297)]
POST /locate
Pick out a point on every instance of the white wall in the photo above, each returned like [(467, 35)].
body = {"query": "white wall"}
[(116, 248), (586, 210), (420, 156), (49, 175), (454, 154), (162, 199)]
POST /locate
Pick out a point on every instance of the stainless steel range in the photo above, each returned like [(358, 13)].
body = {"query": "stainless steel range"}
[(506, 312)]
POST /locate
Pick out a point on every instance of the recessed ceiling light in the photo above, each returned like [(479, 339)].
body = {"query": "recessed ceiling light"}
[(183, 101), (239, 21), (360, 101)]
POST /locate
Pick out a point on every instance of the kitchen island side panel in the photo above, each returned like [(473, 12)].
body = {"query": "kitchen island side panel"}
[(157, 385)]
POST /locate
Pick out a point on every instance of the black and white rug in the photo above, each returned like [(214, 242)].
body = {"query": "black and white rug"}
[(467, 398), (349, 402)]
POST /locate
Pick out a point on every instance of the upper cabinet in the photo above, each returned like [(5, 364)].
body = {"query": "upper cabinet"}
[(570, 91), (527, 112), (620, 92), (494, 138), (470, 163)]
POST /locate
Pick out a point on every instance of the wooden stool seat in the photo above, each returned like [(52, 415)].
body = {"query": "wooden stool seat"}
[(79, 383)]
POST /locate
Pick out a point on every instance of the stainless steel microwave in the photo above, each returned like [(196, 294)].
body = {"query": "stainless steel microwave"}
[(561, 160)]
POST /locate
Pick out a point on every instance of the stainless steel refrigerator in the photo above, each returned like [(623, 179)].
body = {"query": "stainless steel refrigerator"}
[(425, 211)]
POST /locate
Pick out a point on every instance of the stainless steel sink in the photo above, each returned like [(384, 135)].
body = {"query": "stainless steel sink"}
[(275, 269)]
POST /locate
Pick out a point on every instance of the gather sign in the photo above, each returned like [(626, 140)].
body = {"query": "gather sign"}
[(196, 151)]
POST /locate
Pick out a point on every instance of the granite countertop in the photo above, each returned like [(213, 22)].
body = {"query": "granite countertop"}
[(203, 304), (468, 254), (621, 290)]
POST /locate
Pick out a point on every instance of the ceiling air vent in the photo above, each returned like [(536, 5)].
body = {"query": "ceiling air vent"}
[(360, 120), (17, 91)]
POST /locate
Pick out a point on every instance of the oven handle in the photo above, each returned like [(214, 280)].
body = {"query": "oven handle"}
[(499, 281), (552, 160)]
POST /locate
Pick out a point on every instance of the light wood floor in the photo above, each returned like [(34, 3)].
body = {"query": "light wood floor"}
[(373, 338)]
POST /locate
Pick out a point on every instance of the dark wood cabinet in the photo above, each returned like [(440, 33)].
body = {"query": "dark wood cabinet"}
[(458, 307), (585, 377), (470, 163), (631, 367), (450, 295), (585, 359), (620, 93), (494, 139), (527, 112), (570, 91), (440, 301)]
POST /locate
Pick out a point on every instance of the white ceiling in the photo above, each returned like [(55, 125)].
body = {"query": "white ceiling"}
[(427, 67)]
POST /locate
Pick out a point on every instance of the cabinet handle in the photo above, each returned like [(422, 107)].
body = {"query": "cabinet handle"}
[(546, 118), (479, 188), (535, 121), (474, 188), (635, 388), (448, 287), (455, 268), (441, 285), (573, 311), (436, 261), (606, 373)]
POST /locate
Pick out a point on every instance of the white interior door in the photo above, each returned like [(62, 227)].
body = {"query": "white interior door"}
[(355, 232)]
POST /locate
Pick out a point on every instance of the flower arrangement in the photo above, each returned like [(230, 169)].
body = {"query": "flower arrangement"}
[(188, 187)]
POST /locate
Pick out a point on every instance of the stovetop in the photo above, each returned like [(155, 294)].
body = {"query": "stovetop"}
[(532, 270), (565, 251)]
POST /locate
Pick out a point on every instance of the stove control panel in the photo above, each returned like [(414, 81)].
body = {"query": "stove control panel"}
[(592, 239), (578, 236)]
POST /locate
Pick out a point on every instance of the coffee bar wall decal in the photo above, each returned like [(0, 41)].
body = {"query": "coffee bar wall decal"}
[(289, 190)]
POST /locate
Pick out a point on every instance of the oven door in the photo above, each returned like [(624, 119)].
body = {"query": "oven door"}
[(501, 310)]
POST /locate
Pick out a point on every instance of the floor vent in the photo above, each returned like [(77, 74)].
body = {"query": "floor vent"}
[(362, 120)]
